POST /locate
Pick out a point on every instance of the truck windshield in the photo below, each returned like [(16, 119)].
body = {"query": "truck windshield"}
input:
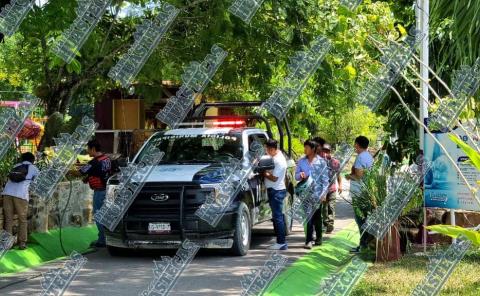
[(196, 148)]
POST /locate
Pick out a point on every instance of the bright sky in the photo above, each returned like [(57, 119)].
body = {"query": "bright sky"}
[(40, 3), (129, 9)]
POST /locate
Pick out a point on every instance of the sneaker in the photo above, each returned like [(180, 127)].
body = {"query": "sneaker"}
[(278, 246), (308, 245), (318, 243), (329, 229), (355, 250), (22, 246)]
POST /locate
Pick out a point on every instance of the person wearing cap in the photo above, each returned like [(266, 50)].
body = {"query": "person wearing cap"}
[(335, 180)]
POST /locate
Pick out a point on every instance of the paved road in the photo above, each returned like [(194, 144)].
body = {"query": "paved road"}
[(210, 273)]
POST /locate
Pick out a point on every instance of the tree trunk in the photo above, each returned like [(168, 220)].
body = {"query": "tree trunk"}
[(51, 107), (54, 102)]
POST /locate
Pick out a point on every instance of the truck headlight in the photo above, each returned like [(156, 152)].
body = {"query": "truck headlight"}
[(212, 195)]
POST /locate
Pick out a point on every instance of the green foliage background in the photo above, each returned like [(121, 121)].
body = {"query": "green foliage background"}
[(257, 59), (256, 64)]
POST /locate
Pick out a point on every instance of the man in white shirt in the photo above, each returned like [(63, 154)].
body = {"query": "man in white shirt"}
[(15, 197), (363, 162), (276, 190)]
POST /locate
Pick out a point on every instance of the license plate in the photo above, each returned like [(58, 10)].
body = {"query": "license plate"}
[(159, 228)]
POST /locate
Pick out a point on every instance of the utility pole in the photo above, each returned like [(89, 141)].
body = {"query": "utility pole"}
[(422, 13)]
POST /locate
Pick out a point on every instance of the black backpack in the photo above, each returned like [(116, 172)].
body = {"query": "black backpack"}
[(19, 173)]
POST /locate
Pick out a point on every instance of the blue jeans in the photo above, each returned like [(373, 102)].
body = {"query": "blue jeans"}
[(275, 199), (98, 199)]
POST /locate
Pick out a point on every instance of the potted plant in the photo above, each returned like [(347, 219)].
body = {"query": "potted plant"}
[(373, 192)]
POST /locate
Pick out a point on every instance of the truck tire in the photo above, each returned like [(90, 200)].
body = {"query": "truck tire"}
[(243, 231), (287, 214)]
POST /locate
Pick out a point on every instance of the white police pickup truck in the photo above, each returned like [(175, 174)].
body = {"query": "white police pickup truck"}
[(163, 213)]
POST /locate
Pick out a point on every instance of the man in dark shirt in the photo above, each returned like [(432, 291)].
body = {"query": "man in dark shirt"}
[(97, 172)]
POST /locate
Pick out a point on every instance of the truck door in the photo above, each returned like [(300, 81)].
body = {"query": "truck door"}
[(262, 208)]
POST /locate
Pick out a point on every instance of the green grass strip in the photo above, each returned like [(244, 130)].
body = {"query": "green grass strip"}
[(44, 247), (304, 276)]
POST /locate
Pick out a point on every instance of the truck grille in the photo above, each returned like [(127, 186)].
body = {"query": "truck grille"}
[(162, 203)]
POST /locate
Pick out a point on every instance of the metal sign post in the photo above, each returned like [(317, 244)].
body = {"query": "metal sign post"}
[(422, 13)]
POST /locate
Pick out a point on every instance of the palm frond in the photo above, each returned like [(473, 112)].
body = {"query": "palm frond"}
[(456, 32)]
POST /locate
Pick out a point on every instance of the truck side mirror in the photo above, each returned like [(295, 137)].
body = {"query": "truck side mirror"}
[(265, 164)]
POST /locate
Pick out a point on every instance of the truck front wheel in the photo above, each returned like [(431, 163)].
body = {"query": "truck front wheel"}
[(243, 231)]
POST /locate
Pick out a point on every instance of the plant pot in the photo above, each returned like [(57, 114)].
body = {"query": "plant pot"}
[(388, 249)]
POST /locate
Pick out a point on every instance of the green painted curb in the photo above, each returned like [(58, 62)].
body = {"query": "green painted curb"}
[(44, 247), (303, 277)]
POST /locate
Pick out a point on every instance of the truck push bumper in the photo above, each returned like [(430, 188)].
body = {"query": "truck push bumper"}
[(221, 243), (179, 213)]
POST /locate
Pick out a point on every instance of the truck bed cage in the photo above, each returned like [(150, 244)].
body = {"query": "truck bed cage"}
[(198, 114)]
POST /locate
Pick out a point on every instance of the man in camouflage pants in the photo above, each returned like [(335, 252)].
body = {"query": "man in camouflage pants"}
[(334, 168)]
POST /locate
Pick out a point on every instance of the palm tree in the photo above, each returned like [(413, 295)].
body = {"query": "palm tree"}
[(455, 31), (454, 41)]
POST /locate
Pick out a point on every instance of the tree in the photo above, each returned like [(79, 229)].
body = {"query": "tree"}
[(55, 83), (455, 30), (256, 63), (454, 41)]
